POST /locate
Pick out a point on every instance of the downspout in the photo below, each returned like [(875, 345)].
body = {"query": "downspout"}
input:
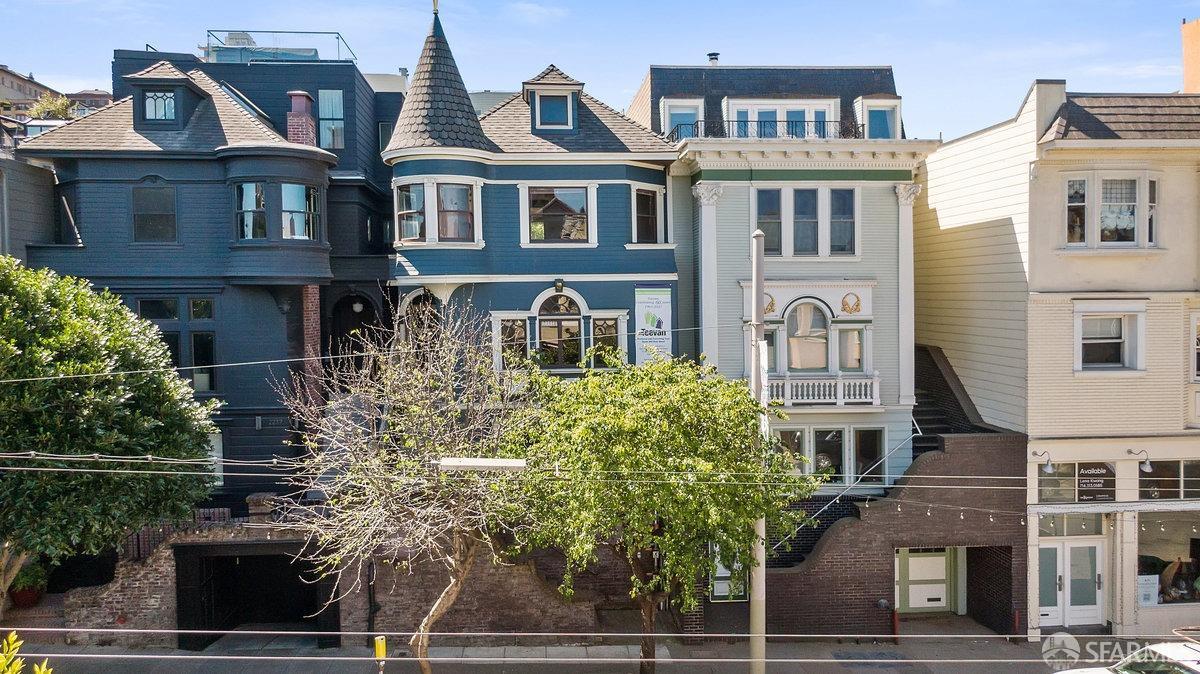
[(372, 605), (4, 233)]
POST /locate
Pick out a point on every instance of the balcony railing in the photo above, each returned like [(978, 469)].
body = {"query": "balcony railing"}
[(840, 389), (766, 130)]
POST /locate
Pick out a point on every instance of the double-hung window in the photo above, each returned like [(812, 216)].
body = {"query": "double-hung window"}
[(432, 212), (1076, 212), (456, 212), (646, 214), (558, 215), (1109, 335), (410, 212), (251, 205), (1118, 211), (154, 214), (805, 222), (841, 222), (1112, 209), (331, 121), (1103, 342), (769, 220), (301, 211)]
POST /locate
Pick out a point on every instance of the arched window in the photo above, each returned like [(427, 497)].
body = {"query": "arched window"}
[(560, 332), (807, 338)]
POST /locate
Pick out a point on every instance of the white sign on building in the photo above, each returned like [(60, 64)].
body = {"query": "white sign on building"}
[(652, 322)]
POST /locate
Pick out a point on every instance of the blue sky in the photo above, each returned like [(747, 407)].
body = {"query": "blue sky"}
[(960, 64)]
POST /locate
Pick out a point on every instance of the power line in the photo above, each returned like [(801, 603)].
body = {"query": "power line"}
[(534, 660)]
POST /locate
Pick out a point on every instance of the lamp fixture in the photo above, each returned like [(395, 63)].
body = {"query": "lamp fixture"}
[(357, 307), (1047, 467), (1144, 465), (559, 284)]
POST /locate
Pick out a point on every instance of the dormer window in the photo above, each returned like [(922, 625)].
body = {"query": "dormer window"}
[(881, 123), (160, 106), (553, 111)]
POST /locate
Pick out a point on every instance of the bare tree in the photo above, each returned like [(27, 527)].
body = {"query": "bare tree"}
[(374, 426)]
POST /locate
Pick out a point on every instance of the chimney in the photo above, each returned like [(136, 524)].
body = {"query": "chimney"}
[(301, 127), (713, 58), (1190, 32), (404, 79)]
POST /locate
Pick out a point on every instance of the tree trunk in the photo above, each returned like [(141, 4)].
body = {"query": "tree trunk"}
[(11, 562), (464, 559), (648, 606)]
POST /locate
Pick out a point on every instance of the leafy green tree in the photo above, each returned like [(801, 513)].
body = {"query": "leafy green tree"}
[(49, 106), (10, 663), (52, 326), (658, 462)]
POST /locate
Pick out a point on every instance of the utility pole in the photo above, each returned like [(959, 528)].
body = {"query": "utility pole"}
[(758, 572)]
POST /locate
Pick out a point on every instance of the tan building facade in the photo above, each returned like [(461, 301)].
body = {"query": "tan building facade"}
[(1057, 267)]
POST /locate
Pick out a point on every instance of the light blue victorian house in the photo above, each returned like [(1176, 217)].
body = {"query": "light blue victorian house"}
[(547, 213)]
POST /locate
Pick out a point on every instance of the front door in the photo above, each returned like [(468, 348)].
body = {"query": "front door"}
[(1070, 583)]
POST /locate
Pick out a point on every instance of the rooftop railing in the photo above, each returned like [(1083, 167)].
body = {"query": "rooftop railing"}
[(766, 130), (244, 46)]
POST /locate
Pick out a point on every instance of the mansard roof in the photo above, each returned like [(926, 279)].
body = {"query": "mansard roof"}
[(437, 110), (1126, 117), (218, 123), (601, 129)]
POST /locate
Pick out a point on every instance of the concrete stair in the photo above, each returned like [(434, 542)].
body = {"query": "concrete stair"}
[(48, 613)]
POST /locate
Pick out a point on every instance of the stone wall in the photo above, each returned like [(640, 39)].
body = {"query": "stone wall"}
[(837, 588)]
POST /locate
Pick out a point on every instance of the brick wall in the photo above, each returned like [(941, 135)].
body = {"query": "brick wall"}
[(993, 574), (301, 128), (836, 589)]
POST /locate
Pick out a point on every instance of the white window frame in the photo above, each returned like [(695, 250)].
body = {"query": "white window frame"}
[(849, 450), (431, 211), (664, 112), (833, 352), (664, 234), (523, 198), (866, 120), (787, 214), (1194, 348), (1092, 204), (537, 96), (1133, 328), (753, 106), (586, 316)]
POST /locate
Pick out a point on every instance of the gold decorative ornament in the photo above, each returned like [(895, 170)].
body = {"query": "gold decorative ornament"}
[(770, 308), (851, 303)]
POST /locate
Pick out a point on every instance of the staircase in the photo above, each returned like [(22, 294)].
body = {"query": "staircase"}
[(941, 407)]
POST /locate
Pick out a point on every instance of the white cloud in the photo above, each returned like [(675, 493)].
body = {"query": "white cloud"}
[(533, 12)]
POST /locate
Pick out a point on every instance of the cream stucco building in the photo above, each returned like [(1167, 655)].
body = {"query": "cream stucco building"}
[(1057, 260)]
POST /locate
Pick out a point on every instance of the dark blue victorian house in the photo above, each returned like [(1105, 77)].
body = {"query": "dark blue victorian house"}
[(547, 213)]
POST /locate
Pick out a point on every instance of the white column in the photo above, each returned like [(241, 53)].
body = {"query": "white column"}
[(906, 194), (708, 194)]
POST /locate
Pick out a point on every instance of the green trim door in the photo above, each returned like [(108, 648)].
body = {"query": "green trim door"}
[(926, 581)]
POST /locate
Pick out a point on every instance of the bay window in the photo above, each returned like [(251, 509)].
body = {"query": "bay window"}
[(557, 333), (301, 211), (251, 214), (410, 212), (456, 213), (846, 454), (1111, 209), (431, 212)]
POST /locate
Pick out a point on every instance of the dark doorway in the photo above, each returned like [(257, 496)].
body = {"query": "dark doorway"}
[(219, 587), (351, 315)]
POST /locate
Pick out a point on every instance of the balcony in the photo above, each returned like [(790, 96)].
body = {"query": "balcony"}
[(837, 389), (246, 46), (775, 130)]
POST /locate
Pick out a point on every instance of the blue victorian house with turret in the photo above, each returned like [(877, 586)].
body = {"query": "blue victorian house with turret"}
[(547, 213)]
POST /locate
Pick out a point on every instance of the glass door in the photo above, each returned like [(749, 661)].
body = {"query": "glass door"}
[(1085, 581), (1050, 585)]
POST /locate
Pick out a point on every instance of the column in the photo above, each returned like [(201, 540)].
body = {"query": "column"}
[(708, 194), (906, 194)]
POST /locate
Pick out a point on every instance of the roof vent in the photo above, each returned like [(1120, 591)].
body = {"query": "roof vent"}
[(713, 57)]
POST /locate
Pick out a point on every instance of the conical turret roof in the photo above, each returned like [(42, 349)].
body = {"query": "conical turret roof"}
[(437, 111)]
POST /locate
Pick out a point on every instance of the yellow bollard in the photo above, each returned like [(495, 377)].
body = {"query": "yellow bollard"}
[(381, 651)]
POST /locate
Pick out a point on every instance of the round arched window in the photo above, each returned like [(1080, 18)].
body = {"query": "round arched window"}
[(807, 338), (560, 332), (559, 305)]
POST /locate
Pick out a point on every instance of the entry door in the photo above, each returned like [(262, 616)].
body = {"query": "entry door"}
[(1070, 583)]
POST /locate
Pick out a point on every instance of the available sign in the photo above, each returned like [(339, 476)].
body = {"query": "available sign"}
[(1097, 482), (652, 322)]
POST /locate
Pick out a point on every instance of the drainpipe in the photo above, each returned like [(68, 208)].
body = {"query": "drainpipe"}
[(372, 605), (4, 241)]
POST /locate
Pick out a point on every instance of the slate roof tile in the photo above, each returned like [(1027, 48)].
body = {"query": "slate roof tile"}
[(1126, 116), (552, 75), (601, 129)]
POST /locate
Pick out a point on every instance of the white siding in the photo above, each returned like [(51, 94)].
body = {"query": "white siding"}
[(971, 254)]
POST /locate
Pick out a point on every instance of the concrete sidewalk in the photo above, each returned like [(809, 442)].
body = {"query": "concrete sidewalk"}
[(909, 656)]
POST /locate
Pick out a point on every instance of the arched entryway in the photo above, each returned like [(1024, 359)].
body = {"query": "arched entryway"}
[(351, 315)]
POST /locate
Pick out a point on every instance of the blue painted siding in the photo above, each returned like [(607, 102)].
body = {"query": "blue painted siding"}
[(582, 171)]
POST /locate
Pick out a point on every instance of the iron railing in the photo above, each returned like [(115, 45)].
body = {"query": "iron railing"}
[(707, 128)]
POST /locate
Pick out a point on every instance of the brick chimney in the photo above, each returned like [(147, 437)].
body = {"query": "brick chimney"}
[(1190, 32), (301, 127)]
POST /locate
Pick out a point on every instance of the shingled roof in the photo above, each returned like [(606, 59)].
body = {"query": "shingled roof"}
[(163, 70), (1126, 117), (601, 129), (437, 110), (552, 75), (217, 123)]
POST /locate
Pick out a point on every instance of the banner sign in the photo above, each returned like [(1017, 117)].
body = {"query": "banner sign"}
[(652, 322)]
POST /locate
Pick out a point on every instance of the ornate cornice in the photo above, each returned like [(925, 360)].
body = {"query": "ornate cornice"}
[(708, 193)]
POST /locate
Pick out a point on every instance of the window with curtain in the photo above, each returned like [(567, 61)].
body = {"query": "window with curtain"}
[(301, 211), (804, 222), (770, 220), (560, 332), (456, 212), (807, 339), (251, 210), (331, 119), (1118, 211), (410, 213), (1076, 211), (850, 350)]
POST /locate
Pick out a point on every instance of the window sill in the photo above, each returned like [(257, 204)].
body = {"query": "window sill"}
[(433, 245), (559, 245), (813, 258), (1102, 251), (649, 246), (1116, 372)]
